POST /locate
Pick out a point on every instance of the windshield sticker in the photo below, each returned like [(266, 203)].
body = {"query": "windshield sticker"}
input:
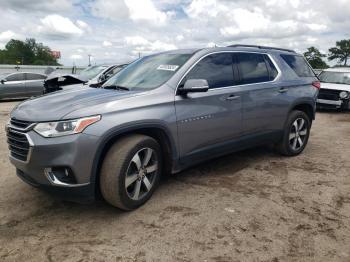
[(168, 67)]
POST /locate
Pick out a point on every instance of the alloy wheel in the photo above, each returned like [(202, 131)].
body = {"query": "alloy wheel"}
[(141, 173), (298, 134)]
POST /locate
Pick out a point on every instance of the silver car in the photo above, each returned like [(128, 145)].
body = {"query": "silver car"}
[(162, 114), (21, 85)]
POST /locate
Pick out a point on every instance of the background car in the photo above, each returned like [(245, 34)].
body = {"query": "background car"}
[(21, 85), (94, 76), (335, 89)]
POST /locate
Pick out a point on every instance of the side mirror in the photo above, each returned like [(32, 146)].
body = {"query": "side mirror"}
[(2, 81), (194, 86)]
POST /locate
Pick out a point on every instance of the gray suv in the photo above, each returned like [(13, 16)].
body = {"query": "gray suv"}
[(162, 114)]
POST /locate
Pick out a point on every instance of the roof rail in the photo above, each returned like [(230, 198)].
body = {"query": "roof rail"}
[(263, 47)]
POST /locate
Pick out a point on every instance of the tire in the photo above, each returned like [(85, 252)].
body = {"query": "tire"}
[(131, 171), (294, 141)]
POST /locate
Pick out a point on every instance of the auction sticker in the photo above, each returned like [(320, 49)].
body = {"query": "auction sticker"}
[(168, 67)]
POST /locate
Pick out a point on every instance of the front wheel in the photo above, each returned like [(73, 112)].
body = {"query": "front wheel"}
[(131, 171), (296, 134)]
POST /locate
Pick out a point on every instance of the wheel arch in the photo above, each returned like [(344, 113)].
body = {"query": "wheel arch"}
[(155, 130), (305, 106)]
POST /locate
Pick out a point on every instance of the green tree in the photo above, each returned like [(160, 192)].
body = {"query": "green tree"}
[(314, 57), (341, 51), (27, 52)]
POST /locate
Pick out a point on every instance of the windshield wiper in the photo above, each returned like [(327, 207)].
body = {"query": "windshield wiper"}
[(116, 87)]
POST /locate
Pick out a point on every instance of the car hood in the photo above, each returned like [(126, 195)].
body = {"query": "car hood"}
[(64, 79), (56, 106), (341, 87)]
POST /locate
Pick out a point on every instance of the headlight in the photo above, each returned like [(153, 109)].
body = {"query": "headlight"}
[(67, 127), (344, 94)]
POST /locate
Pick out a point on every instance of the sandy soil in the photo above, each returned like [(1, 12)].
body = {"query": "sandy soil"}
[(249, 206)]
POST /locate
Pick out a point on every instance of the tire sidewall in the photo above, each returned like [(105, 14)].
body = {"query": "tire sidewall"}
[(125, 199)]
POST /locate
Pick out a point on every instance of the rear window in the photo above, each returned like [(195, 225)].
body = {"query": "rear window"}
[(252, 68), (299, 65)]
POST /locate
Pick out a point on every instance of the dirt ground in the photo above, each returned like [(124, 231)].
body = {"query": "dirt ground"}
[(249, 206)]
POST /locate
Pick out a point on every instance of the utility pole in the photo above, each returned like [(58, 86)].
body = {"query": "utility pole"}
[(89, 59)]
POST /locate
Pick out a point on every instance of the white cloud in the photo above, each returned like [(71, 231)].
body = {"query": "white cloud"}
[(59, 27), (107, 44), (7, 35), (136, 10), (141, 44), (76, 57), (146, 11)]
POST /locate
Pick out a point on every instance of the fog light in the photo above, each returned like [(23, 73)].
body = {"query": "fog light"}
[(61, 176), (344, 95)]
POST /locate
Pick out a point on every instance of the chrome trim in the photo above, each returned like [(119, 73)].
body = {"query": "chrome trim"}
[(218, 52), (329, 102), (31, 145), (21, 129), (56, 182)]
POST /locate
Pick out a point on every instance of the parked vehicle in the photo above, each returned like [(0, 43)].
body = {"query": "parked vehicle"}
[(21, 85), (162, 114), (335, 88), (94, 76)]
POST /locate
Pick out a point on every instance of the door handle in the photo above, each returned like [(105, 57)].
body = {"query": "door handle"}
[(232, 97), (283, 90)]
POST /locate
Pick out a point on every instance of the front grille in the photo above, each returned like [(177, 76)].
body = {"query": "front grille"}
[(20, 123), (329, 94), (18, 145)]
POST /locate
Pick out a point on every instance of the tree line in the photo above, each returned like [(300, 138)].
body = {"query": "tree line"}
[(340, 53), (28, 52)]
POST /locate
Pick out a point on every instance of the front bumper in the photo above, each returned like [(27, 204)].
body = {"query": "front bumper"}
[(73, 152), (335, 104)]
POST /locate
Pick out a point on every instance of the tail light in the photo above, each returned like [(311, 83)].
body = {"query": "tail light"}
[(317, 84)]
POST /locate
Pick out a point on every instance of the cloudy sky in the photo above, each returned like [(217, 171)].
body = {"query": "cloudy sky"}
[(118, 30)]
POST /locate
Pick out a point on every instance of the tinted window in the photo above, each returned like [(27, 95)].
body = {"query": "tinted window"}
[(15, 77), (299, 65), (252, 68), (35, 77), (272, 69), (216, 69)]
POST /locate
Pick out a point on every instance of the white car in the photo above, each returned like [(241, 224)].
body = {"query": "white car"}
[(335, 88)]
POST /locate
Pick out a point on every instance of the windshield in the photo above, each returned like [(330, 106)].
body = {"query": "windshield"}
[(335, 77), (92, 71), (148, 72)]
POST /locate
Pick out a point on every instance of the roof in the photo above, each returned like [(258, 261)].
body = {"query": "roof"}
[(243, 48), (338, 69)]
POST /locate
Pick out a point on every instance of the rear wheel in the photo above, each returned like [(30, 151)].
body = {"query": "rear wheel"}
[(296, 134), (131, 171)]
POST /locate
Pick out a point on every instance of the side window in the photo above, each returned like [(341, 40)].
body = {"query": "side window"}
[(272, 69), (34, 76), (299, 65), (216, 69), (252, 68), (15, 77)]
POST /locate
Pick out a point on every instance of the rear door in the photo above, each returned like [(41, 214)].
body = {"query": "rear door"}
[(34, 84), (208, 120), (13, 86), (263, 99)]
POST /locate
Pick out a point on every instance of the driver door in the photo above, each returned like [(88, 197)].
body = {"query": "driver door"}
[(209, 121)]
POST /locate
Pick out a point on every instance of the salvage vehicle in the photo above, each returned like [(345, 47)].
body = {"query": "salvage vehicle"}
[(21, 85), (162, 114), (93, 76), (335, 89)]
